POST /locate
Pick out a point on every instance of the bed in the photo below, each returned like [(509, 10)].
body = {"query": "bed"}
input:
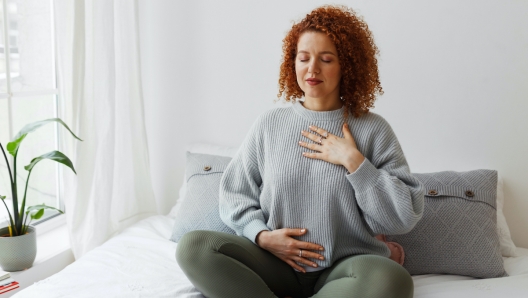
[(140, 262)]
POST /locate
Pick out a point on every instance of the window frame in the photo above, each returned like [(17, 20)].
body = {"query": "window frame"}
[(5, 45)]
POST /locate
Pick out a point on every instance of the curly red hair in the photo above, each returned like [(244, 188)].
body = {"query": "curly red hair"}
[(356, 50)]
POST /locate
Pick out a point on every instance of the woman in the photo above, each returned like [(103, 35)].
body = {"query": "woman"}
[(312, 186)]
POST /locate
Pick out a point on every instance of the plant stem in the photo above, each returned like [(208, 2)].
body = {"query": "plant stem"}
[(27, 226), (15, 190), (13, 185), (24, 226), (7, 163), (24, 203), (10, 219)]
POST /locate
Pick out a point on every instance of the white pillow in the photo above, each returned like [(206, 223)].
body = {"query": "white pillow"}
[(508, 248), (203, 149)]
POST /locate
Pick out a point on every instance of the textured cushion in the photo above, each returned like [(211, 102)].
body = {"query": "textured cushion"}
[(202, 148), (198, 209), (458, 231)]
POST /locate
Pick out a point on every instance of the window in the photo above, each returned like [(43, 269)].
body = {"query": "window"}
[(28, 93)]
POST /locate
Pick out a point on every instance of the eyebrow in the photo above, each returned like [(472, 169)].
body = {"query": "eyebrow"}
[(323, 52)]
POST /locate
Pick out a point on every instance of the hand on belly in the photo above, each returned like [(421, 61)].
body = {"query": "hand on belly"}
[(292, 251)]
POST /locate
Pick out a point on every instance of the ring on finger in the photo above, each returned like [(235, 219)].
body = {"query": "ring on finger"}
[(300, 252)]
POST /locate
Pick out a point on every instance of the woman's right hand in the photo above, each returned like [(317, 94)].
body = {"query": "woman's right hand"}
[(281, 243)]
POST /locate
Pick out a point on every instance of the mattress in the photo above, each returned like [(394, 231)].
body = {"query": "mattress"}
[(140, 262)]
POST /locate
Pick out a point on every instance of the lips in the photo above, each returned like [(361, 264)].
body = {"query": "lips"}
[(313, 81)]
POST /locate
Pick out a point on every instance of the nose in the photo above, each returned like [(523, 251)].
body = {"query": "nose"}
[(313, 67)]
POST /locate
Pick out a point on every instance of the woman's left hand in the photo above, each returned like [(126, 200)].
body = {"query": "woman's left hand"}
[(333, 149)]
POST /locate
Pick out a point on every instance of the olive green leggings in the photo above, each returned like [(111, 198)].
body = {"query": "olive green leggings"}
[(224, 265)]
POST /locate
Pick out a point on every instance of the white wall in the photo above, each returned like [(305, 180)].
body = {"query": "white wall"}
[(455, 75)]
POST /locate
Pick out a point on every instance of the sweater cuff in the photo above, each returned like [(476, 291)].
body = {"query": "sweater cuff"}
[(253, 228), (365, 177)]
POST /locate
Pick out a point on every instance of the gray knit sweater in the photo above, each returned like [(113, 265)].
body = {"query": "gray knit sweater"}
[(270, 185)]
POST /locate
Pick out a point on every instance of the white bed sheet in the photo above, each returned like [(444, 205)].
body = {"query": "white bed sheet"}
[(140, 262)]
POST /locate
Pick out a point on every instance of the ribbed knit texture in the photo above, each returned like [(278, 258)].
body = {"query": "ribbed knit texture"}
[(270, 185)]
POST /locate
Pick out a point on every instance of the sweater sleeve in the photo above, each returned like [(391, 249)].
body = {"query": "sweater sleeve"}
[(240, 188), (390, 197)]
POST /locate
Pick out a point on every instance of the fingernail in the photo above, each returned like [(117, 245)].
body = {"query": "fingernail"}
[(320, 248), (321, 258), (311, 126), (303, 230), (314, 265), (300, 142)]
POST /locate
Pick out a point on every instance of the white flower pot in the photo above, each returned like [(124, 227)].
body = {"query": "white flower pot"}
[(17, 253)]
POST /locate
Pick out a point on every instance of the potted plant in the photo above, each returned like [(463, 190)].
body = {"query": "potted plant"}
[(18, 246)]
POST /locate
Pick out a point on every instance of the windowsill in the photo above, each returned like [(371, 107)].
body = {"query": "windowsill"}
[(53, 254)]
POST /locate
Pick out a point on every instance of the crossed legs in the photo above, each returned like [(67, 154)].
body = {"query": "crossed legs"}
[(224, 265)]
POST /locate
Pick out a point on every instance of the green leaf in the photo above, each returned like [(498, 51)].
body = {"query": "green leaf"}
[(43, 206), (2, 197), (13, 146), (53, 155), (37, 215)]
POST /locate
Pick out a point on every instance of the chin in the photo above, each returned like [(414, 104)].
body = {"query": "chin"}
[(313, 95)]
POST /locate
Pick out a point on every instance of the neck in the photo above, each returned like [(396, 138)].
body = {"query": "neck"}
[(316, 104)]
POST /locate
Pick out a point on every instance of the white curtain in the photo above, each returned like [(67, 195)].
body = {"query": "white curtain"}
[(99, 80)]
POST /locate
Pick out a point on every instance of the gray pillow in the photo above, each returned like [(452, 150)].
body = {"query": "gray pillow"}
[(199, 206), (458, 231)]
